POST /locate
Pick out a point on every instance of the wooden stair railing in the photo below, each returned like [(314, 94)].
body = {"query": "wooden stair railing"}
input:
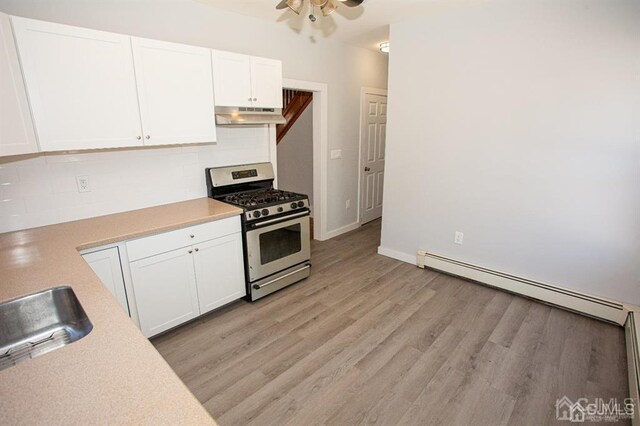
[(294, 103)]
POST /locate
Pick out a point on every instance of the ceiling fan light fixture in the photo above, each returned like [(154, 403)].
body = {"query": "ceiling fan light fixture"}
[(384, 47), (319, 3), (295, 5)]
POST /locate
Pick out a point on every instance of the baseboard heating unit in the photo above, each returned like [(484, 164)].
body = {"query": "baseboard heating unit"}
[(568, 299), (632, 335)]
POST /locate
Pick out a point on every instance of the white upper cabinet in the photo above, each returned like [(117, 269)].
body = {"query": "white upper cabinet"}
[(81, 85), (232, 79), (246, 81), (175, 89), (266, 83), (16, 128)]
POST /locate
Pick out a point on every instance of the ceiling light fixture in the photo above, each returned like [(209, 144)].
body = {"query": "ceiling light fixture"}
[(384, 47), (326, 6)]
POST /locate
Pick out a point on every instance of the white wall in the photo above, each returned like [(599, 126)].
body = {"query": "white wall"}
[(295, 156), (313, 58), (518, 123)]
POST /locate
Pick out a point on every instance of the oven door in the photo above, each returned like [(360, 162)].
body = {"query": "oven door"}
[(277, 244)]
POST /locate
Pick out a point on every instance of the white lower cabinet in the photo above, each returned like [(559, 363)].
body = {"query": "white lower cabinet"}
[(172, 287), (166, 293), (106, 264), (219, 271)]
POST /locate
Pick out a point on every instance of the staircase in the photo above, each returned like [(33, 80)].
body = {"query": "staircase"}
[(294, 103)]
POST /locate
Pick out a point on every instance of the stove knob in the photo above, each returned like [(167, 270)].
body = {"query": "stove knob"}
[(265, 212), (280, 209), (300, 203), (256, 214), (294, 206)]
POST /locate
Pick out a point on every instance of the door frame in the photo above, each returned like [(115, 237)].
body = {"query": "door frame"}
[(364, 91), (320, 145)]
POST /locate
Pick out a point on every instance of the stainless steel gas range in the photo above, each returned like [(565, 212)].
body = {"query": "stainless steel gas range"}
[(275, 226)]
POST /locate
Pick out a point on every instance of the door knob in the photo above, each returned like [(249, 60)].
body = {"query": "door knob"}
[(367, 169)]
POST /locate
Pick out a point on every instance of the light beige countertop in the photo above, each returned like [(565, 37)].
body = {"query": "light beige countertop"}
[(113, 375)]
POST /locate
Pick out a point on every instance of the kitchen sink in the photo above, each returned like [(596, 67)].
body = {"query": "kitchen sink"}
[(33, 325)]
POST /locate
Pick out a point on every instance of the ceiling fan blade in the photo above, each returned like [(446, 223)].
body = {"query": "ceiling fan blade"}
[(282, 5), (319, 3), (352, 3), (328, 8), (295, 5)]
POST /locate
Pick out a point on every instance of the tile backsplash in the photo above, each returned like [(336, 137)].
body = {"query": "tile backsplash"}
[(42, 189)]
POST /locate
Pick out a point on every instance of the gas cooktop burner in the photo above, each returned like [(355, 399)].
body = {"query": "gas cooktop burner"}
[(260, 198)]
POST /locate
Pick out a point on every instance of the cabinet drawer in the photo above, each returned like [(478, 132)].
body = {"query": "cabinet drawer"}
[(183, 237)]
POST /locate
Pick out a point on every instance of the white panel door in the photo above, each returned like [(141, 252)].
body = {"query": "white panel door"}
[(231, 79), (165, 290), (106, 265), (16, 127), (219, 271), (175, 89), (372, 147), (266, 82), (81, 85)]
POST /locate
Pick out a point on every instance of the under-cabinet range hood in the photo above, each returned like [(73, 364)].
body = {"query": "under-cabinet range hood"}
[(238, 116)]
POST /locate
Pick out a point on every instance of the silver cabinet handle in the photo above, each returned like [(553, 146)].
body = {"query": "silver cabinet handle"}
[(197, 249), (191, 236), (190, 251), (255, 99), (139, 137), (367, 169), (148, 137), (249, 99)]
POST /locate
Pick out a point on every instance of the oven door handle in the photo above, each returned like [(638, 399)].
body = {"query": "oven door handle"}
[(259, 286), (278, 220)]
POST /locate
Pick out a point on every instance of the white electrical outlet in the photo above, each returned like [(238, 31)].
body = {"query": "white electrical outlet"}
[(348, 204), (83, 183), (458, 237)]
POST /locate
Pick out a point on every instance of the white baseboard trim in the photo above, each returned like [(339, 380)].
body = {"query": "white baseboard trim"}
[(632, 337), (398, 255), (573, 300), (332, 234)]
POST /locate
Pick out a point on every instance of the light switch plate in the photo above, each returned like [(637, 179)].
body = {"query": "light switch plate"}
[(336, 153)]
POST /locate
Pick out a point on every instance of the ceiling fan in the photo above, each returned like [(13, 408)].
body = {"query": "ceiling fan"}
[(326, 6)]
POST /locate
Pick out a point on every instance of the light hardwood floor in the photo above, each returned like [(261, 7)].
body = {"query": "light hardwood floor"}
[(368, 339)]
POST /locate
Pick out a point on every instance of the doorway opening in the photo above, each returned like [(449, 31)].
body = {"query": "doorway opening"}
[(294, 141), (317, 113)]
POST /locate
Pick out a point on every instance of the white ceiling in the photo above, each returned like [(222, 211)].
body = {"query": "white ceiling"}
[(366, 25)]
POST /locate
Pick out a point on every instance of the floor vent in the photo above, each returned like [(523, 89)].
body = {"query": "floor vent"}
[(565, 298)]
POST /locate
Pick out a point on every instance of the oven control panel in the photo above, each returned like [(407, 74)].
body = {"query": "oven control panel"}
[(292, 206)]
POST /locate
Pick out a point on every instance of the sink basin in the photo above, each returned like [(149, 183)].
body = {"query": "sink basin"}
[(39, 323)]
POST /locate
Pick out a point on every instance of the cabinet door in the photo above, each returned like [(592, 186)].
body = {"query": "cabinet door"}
[(219, 271), (266, 82), (165, 290), (16, 128), (106, 265), (231, 79), (175, 89), (81, 85)]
